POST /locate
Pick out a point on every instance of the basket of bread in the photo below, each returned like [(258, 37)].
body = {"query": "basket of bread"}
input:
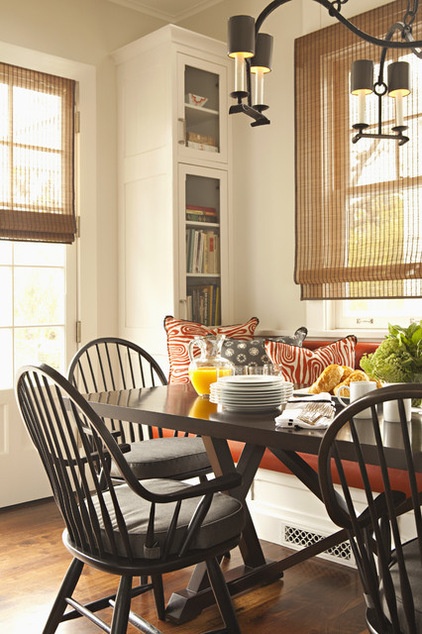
[(335, 377)]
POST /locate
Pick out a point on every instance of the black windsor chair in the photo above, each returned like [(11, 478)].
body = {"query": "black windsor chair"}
[(127, 529), (385, 528), (110, 363)]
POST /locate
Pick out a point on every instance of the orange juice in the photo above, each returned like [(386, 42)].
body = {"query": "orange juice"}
[(202, 377), (202, 408)]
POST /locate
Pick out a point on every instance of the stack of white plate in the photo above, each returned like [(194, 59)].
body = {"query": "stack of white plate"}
[(255, 393)]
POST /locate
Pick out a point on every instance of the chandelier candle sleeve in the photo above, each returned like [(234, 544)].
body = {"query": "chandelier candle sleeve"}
[(398, 87), (241, 46), (260, 66), (361, 84)]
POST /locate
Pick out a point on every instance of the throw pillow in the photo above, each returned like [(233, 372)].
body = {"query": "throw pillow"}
[(302, 366), (180, 333), (252, 353)]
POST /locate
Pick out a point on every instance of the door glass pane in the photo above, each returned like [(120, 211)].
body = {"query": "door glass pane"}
[(201, 110), (203, 267), (39, 345), (39, 296), (6, 306), (33, 307), (39, 253), (6, 365)]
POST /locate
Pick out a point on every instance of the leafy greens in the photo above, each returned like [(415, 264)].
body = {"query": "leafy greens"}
[(398, 358)]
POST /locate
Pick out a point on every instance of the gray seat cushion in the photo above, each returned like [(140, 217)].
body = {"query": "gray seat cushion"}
[(166, 458), (224, 520), (413, 566)]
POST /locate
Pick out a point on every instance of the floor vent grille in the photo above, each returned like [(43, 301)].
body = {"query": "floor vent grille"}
[(298, 537)]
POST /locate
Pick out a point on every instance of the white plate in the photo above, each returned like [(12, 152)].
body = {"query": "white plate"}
[(250, 396), (221, 398), (250, 393), (250, 408), (253, 379)]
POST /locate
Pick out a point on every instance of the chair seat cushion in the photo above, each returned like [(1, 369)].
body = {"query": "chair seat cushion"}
[(224, 520), (413, 566), (166, 458)]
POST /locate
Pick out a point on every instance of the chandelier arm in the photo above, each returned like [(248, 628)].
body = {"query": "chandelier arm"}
[(398, 26), (416, 51), (411, 12), (267, 11), (366, 36), (408, 42)]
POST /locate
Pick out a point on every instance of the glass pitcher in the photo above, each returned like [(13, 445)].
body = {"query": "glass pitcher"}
[(209, 365)]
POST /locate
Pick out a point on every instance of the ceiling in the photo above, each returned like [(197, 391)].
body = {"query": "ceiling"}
[(169, 10)]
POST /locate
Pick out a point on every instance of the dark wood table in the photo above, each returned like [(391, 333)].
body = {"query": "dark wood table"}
[(177, 407)]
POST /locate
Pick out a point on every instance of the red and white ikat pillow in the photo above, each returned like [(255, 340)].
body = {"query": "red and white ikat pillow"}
[(302, 366), (180, 333)]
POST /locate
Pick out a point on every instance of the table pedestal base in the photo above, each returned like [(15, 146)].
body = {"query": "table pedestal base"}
[(187, 604)]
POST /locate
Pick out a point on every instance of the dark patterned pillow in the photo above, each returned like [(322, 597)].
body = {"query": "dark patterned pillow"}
[(252, 353)]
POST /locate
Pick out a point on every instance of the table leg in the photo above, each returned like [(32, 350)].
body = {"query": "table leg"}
[(188, 603)]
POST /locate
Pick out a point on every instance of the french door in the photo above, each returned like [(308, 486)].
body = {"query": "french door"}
[(37, 325)]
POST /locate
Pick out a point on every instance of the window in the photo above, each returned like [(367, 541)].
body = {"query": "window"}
[(36, 156), (358, 216)]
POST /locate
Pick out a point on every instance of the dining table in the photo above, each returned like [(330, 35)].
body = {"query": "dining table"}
[(177, 407)]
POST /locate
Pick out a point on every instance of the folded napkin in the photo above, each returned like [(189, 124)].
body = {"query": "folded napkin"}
[(313, 411)]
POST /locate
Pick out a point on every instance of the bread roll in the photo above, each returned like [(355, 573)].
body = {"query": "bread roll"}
[(328, 379), (355, 375)]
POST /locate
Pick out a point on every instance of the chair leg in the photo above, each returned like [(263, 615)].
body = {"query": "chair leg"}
[(121, 610), (69, 582), (222, 597), (157, 586)]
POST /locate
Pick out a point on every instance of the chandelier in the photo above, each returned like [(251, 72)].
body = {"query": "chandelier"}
[(252, 53)]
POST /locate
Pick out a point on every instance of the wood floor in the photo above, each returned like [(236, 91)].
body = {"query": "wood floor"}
[(316, 597)]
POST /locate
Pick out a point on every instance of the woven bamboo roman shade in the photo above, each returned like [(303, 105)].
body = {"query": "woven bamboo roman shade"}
[(358, 206), (36, 156)]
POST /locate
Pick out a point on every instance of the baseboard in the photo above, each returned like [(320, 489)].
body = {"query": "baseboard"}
[(285, 512)]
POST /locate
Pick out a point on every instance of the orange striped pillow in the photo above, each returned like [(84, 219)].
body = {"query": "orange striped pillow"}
[(180, 333), (302, 366)]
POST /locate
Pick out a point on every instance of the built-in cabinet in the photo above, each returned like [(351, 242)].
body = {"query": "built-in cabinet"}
[(173, 175)]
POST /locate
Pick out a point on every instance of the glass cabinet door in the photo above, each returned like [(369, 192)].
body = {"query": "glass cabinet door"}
[(203, 243), (202, 129)]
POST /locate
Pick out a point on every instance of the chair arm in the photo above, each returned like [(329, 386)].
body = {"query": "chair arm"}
[(221, 483)]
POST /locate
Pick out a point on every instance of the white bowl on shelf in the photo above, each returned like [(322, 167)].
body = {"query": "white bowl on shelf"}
[(196, 100)]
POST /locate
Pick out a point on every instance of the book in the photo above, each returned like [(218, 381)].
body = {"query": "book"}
[(197, 213)]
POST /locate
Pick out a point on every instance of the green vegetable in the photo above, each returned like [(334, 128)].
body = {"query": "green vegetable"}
[(398, 359)]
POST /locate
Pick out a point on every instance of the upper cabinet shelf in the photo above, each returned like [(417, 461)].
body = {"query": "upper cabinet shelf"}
[(204, 113), (200, 111)]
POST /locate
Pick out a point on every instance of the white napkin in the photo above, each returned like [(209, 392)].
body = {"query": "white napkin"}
[(313, 411)]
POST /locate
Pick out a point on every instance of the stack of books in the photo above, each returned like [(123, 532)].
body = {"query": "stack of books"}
[(196, 213), (203, 304), (202, 251)]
